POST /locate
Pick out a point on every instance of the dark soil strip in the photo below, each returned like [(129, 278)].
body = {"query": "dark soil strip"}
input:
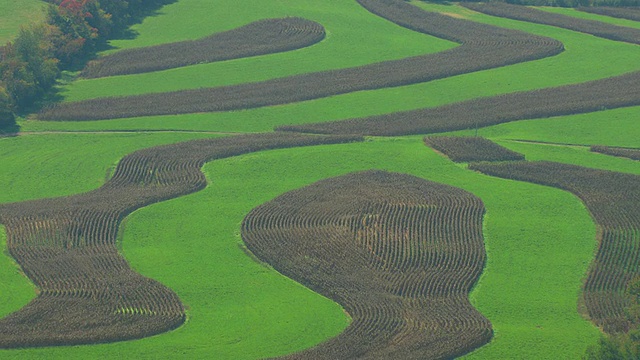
[(258, 38), (524, 13), (633, 154), (483, 47), (399, 253), (629, 13), (67, 247), (614, 202), (614, 92), (469, 148)]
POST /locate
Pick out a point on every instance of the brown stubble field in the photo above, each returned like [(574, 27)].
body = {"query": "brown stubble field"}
[(399, 253)]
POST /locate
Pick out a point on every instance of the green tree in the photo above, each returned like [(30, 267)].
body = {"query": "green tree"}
[(27, 66), (17, 79), (76, 37), (7, 117), (33, 46)]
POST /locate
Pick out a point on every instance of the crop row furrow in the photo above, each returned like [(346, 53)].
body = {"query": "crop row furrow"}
[(399, 253), (525, 13), (258, 38), (633, 154), (67, 247), (482, 47), (597, 95), (629, 13), (613, 200), (468, 149)]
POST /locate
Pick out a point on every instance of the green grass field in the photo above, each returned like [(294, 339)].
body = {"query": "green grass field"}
[(539, 240), (590, 16), (576, 64), (363, 37), (14, 287), (14, 14)]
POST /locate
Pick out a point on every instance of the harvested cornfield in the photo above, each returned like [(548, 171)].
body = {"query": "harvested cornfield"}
[(633, 154), (258, 38), (471, 148), (483, 47), (399, 253), (67, 247), (524, 13), (629, 13), (614, 202), (613, 92)]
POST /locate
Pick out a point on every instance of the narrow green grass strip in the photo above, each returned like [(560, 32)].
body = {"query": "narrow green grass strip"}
[(52, 165), (589, 16), (240, 309), (576, 155), (577, 64), (361, 39), (618, 127), (15, 289), (539, 240)]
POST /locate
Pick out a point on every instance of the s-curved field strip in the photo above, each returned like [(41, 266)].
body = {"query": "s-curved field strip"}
[(614, 92), (622, 152), (623, 13), (482, 47), (613, 199), (399, 253), (596, 28), (258, 38), (521, 226), (67, 247)]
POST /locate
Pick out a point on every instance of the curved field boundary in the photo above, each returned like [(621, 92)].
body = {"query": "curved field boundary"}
[(67, 247), (523, 13), (258, 38), (628, 13), (633, 154), (609, 93), (399, 253), (483, 47), (468, 148), (614, 201)]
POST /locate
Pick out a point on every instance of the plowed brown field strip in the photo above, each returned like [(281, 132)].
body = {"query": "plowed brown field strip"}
[(468, 148), (525, 13), (609, 93), (258, 38), (633, 154), (67, 247), (483, 47), (629, 13), (614, 202), (399, 253)]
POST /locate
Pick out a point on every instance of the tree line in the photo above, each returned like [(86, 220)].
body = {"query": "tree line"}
[(71, 32)]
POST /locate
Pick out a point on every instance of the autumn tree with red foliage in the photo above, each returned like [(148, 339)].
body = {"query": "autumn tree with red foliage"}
[(71, 33)]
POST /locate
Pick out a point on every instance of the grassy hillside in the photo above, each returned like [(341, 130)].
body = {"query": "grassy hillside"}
[(14, 14), (200, 252), (576, 64), (539, 240), (15, 288)]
